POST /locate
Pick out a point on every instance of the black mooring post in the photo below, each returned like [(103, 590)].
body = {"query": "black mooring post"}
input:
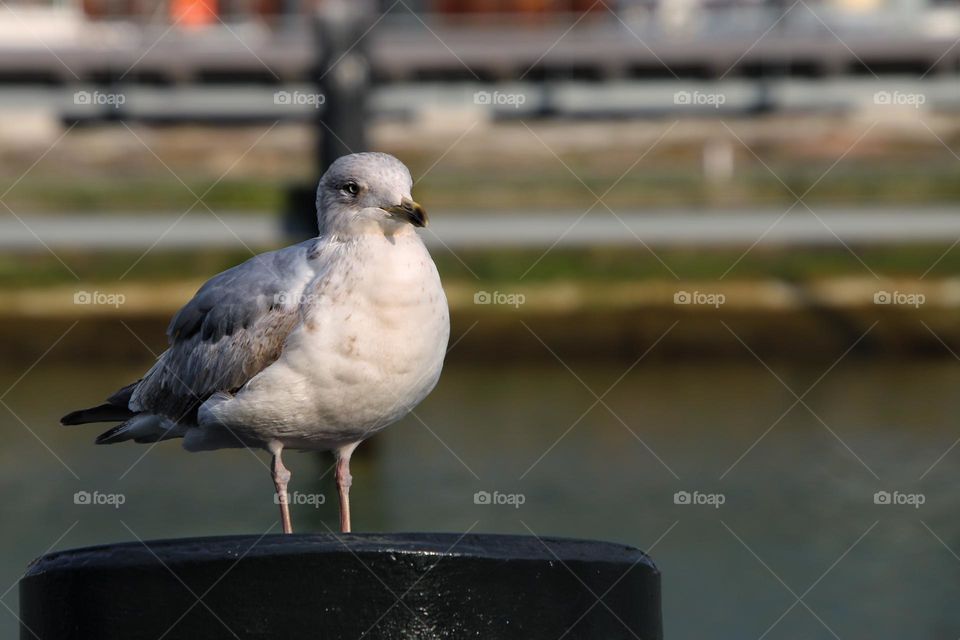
[(342, 78), (402, 586)]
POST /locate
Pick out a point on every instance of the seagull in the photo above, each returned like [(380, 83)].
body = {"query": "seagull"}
[(314, 347)]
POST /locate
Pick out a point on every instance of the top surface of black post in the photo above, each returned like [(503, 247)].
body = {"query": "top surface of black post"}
[(344, 586)]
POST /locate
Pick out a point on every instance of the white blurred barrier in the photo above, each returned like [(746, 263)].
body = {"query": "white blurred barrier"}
[(481, 229)]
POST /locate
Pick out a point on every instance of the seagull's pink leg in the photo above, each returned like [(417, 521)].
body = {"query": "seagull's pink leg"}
[(281, 476), (344, 480)]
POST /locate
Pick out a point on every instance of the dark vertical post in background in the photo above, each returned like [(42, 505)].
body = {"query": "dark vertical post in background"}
[(342, 76)]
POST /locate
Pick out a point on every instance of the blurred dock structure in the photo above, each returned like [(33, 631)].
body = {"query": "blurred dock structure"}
[(668, 39), (229, 105)]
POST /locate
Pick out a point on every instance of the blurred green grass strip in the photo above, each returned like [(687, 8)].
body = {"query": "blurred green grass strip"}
[(532, 189), (18, 271)]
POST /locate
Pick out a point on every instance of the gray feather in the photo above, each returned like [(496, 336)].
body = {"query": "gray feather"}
[(231, 330)]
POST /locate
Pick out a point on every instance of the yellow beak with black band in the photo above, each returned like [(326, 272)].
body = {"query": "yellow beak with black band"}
[(408, 211)]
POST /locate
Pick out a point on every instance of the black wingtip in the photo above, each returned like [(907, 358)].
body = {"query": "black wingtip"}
[(104, 413), (111, 436), (72, 418)]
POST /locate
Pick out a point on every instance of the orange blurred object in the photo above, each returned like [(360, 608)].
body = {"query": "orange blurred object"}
[(515, 6), (193, 13)]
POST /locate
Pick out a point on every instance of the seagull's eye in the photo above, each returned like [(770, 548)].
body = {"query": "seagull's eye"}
[(351, 188)]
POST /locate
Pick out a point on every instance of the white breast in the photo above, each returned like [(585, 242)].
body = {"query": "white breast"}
[(369, 348)]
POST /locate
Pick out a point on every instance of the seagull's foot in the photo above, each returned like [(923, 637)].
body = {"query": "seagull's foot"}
[(281, 477), (344, 480)]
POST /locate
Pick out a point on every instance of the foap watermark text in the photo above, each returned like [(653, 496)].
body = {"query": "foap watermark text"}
[(699, 298), (499, 297), (299, 99), (291, 299), (99, 98), (99, 298), (295, 497), (95, 498), (699, 99), (899, 99), (897, 498), (900, 298), (696, 498), (514, 500), (499, 98)]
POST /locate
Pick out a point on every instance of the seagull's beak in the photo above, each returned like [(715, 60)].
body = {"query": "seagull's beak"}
[(408, 211)]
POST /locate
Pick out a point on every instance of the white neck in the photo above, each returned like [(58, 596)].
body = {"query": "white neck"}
[(344, 224)]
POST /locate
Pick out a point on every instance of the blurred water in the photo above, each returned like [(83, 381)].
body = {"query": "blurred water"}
[(797, 506)]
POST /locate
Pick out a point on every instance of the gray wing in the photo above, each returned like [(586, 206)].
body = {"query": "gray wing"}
[(233, 328)]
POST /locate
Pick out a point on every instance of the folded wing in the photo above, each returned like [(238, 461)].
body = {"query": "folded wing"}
[(233, 328)]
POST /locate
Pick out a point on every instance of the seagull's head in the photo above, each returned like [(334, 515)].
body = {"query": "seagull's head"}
[(367, 193)]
